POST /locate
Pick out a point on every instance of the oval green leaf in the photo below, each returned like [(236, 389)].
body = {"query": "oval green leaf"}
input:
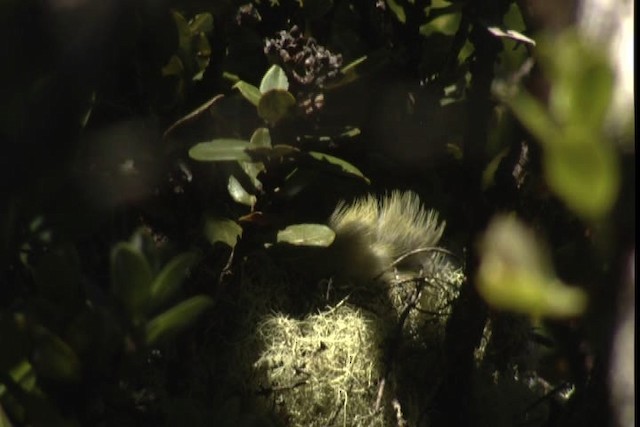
[(220, 150), (342, 164), (239, 194), (222, 230), (176, 319), (275, 105), (261, 138), (249, 91), (274, 79), (318, 235)]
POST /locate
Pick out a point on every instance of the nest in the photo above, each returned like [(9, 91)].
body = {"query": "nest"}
[(325, 369)]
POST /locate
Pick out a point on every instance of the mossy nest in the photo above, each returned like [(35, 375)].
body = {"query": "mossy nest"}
[(325, 369)]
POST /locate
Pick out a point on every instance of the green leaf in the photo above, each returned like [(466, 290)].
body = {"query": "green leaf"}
[(275, 105), (222, 230), (342, 164), (176, 319), (583, 173), (249, 91), (307, 235), (274, 79), (260, 139), (201, 23), (239, 194), (168, 282), (220, 150), (516, 275), (12, 330), (53, 358), (130, 278)]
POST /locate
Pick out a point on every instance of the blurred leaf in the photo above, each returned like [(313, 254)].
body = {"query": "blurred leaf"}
[(176, 319), (12, 330), (168, 282), (220, 150), (446, 24), (239, 194), (184, 32), (54, 359), (174, 67), (222, 230), (584, 173), (397, 10), (130, 278), (342, 164), (249, 91), (582, 81), (307, 235), (201, 23), (274, 79), (275, 105), (515, 274)]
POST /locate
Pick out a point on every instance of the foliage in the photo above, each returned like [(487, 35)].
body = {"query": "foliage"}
[(169, 171)]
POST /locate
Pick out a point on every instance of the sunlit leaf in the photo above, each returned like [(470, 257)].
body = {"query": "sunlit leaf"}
[(342, 164), (275, 105), (239, 194), (222, 230), (515, 274), (220, 150), (274, 79), (510, 34), (307, 235), (249, 91), (168, 282), (130, 277), (177, 319)]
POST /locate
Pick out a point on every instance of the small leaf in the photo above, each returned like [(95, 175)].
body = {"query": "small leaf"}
[(515, 274), (274, 79), (342, 164), (275, 105), (220, 150), (167, 283), (260, 139), (184, 32), (130, 278), (176, 319), (222, 230), (249, 91), (174, 67), (307, 235), (239, 194)]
